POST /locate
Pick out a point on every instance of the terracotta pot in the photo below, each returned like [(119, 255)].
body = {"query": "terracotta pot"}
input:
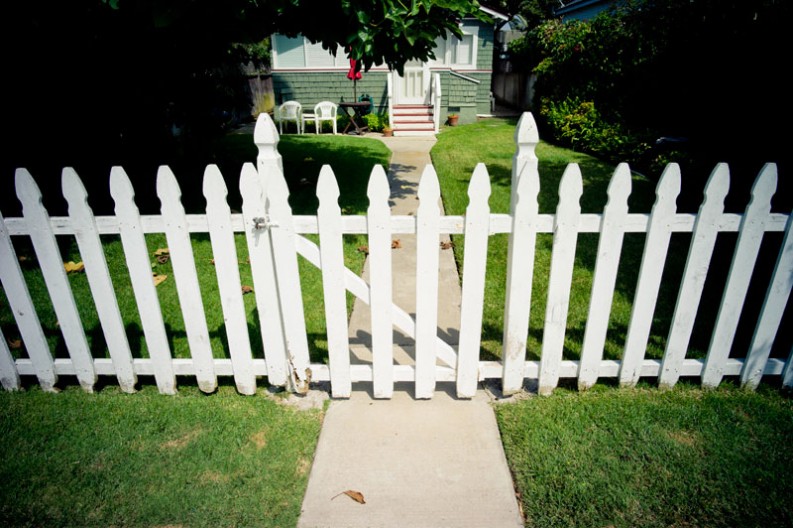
[(387, 132), (453, 120)]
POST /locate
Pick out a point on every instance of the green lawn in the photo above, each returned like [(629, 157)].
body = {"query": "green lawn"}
[(643, 457), (351, 158), (110, 459)]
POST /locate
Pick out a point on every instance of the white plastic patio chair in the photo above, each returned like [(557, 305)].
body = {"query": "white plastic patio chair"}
[(290, 111), (323, 111)]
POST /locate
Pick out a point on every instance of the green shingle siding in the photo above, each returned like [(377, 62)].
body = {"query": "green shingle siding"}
[(309, 88)]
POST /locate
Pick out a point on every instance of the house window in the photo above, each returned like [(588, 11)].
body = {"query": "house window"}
[(299, 52), (458, 53)]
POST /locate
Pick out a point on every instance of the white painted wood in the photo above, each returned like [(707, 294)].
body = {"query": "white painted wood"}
[(605, 276), (181, 251), (565, 238), (787, 373), (477, 230), (750, 236), (656, 245), (378, 220), (27, 319), (93, 255), (771, 314), (332, 257), (282, 237), (520, 253), (9, 377), (139, 265), (428, 217), (358, 287), (263, 272), (51, 263), (703, 240)]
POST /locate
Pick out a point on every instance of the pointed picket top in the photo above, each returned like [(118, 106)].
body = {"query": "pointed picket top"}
[(718, 186), (167, 186), (619, 187), (479, 187), (120, 186), (73, 187), (571, 188), (668, 190), (266, 137), (764, 188), (526, 135), (27, 189), (429, 189), (327, 188), (378, 189), (214, 185)]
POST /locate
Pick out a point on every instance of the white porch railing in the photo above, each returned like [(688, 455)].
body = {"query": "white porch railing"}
[(437, 101)]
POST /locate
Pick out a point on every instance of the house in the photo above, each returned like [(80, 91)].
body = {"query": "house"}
[(417, 102)]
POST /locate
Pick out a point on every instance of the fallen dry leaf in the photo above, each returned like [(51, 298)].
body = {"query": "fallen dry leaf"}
[(246, 289), (159, 279), (447, 245), (162, 251), (357, 496), (162, 259), (396, 244), (212, 261), (72, 267), (363, 249), (14, 344)]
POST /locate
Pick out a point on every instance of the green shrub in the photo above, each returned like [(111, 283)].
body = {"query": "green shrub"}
[(376, 122)]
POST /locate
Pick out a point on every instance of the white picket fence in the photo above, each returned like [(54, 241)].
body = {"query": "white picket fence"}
[(274, 241)]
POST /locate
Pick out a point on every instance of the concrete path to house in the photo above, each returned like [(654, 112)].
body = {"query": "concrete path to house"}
[(418, 463)]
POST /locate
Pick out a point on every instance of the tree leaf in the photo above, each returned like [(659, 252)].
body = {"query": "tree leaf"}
[(357, 496), (396, 244), (159, 279), (246, 289), (72, 267), (363, 249), (162, 251), (447, 245), (14, 344)]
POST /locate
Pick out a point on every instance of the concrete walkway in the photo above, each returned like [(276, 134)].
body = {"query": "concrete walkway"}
[(418, 463)]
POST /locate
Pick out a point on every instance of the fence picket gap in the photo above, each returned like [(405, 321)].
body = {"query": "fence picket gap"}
[(703, 240), (612, 233), (750, 236), (98, 275), (651, 270), (21, 304), (9, 377), (224, 250), (477, 231), (139, 265), (771, 313), (181, 252), (520, 253), (263, 272), (332, 257), (49, 258), (565, 238), (287, 275), (428, 217), (378, 219)]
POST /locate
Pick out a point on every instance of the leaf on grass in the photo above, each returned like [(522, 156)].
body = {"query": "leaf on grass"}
[(162, 259), (363, 249), (357, 496), (447, 245), (212, 261), (162, 251), (14, 344), (396, 244), (246, 289), (159, 279), (72, 267)]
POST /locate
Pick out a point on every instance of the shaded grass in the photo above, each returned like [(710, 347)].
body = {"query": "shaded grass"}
[(352, 160), (112, 459), (491, 142), (639, 457)]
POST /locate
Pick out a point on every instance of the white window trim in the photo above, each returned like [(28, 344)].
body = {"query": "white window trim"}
[(339, 61), (446, 60)]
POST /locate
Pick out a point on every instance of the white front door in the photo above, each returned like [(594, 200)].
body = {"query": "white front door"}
[(413, 86)]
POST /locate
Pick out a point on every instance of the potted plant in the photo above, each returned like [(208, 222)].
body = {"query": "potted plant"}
[(453, 119), (387, 131)]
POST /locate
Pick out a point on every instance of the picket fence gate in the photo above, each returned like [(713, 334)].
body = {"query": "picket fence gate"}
[(274, 240)]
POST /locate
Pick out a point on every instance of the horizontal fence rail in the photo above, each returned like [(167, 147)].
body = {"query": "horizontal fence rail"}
[(275, 238)]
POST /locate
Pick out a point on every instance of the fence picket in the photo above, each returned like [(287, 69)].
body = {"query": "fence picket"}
[(181, 252), (284, 248), (139, 265), (21, 304), (520, 253), (750, 236), (49, 258), (565, 238), (477, 231), (703, 240), (224, 249), (656, 245), (265, 288), (9, 377), (428, 217), (378, 219), (771, 313), (332, 256), (787, 373), (98, 275), (612, 233)]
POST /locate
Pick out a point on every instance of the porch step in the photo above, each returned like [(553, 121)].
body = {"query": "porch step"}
[(413, 120)]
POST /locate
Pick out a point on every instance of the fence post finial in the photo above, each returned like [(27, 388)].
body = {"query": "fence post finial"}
[(526, 139), (266, 137)]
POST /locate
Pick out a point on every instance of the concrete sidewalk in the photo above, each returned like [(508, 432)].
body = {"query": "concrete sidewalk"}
[(418, 463)]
